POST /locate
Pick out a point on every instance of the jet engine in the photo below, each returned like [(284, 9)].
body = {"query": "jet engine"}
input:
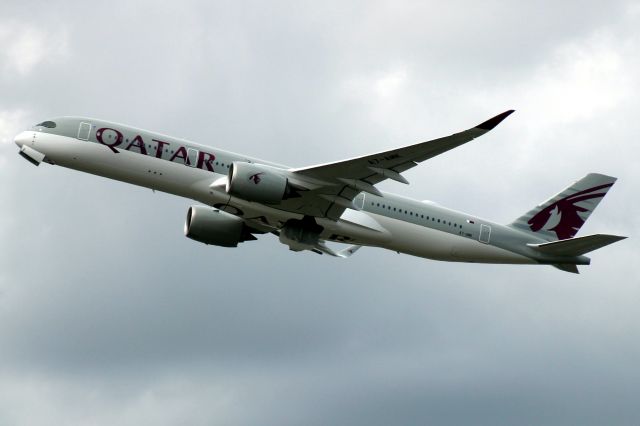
[(215, 227), (260, 183)]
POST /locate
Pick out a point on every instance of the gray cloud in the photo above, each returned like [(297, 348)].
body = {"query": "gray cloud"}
[(108, 315)]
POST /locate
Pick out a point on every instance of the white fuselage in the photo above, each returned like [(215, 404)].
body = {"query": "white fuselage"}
[(388, 221)]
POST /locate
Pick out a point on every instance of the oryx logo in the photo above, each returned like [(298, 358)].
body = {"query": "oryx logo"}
[(256, 178), (562, 216)]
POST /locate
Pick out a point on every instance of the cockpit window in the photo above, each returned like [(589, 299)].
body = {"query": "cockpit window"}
[(47, 124)]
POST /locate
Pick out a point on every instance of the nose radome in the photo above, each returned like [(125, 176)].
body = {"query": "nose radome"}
[(22, 139)]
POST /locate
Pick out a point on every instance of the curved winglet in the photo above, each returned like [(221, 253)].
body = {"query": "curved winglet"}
[(493, 122)]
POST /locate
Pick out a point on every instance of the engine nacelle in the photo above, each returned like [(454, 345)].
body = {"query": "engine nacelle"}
[(257, 182), (215, 227)]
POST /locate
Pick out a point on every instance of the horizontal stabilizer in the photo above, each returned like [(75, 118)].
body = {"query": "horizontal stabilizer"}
[(577, 246)]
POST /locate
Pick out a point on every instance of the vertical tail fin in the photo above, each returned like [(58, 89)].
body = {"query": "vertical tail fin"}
[(561, 216)]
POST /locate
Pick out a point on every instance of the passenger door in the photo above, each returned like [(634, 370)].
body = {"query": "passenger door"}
[(485, 234)]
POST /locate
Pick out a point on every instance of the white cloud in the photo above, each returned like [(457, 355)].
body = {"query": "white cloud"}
[(23, 46), (578, 81), (389, 84), (163, 401), (377, 87), (570, 106), (11, 123), (388, 99)]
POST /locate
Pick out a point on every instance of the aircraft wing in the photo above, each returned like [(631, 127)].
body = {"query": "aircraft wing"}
[(337, 184)]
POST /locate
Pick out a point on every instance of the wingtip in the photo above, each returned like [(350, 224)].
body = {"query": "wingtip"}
[(493, 122)]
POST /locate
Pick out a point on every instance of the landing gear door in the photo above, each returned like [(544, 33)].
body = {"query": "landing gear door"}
[(485, 234)]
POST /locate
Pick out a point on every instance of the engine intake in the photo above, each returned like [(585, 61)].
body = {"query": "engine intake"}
[(257, 182), (215, 227)]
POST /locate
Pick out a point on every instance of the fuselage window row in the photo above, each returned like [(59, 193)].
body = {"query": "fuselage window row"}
[(410, 213)]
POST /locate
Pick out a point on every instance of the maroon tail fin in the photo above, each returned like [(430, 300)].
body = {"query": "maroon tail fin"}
[(560, 217)]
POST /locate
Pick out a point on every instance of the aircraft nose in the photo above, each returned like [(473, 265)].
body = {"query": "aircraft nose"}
[(22, 139)]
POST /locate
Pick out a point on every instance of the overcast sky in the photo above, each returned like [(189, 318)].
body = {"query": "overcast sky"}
[(110, 316)]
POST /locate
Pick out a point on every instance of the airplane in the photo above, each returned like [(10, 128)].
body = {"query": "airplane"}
[(336, 202)]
